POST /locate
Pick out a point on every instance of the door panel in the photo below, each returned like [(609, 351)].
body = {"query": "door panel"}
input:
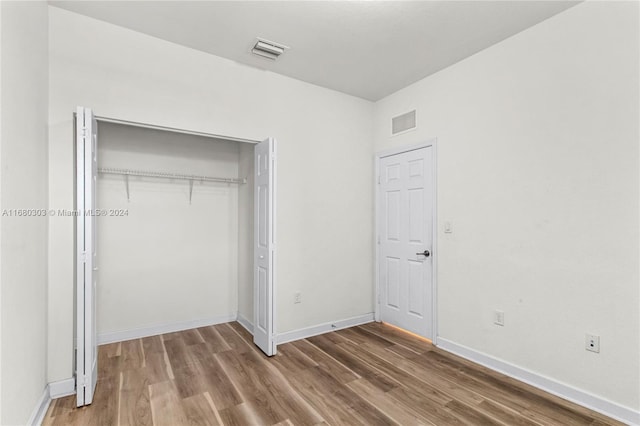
[(264, 246), (393, 283), (262, 208), (393, 215), (86, 256), (405, 218), (415, 286), (416, 215), (262, 295)]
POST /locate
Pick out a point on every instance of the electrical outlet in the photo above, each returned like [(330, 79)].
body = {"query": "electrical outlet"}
[(498, 318), (592, 343), (297, 297)]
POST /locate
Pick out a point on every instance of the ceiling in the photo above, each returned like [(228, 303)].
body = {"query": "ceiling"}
[(368, 49)]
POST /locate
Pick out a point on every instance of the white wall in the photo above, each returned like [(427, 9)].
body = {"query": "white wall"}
[(538, 173), (324, 234), (167, 261), (23, 174)]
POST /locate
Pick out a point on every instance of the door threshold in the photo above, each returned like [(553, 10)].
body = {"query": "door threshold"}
[(417, 336)]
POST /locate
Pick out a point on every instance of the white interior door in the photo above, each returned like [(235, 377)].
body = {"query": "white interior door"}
[(264, 246), (86, 180), (405, 212)]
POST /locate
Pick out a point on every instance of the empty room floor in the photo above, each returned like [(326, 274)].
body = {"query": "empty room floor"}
[(370, 374)]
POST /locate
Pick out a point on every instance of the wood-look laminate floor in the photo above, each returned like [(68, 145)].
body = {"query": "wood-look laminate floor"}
[(371, 374)]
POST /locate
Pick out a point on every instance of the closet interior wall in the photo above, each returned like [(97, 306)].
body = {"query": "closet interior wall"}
[(166, 257)]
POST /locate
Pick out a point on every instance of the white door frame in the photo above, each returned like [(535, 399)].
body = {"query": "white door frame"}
[(432, 143)]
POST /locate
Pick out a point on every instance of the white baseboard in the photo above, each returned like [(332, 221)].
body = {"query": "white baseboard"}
[(303, 333), (137, 333), (593, 402), (245, 323), (62, 388), (40, 410)]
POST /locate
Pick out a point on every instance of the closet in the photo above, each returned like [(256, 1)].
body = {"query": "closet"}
[(174, 231), (167, 247)]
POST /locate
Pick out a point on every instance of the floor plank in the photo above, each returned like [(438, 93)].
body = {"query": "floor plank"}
[(166, 405), (135, 408), (200, 411), (372, 374)]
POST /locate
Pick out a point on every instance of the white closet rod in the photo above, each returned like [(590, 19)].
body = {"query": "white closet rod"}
[(127, 172)]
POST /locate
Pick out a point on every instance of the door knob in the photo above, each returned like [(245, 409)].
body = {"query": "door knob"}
[(425, 253)]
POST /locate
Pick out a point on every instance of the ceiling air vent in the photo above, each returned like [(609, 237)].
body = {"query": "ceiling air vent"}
[(268, 49), (403, 122)]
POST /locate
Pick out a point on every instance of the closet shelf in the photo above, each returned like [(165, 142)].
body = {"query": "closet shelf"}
[(191, 178), (170, 175)]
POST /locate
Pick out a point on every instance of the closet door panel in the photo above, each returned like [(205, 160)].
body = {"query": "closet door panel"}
[(86, 265), (264, 247)]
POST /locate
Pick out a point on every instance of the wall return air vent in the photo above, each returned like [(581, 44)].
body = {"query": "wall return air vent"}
[(268, 49), (403, 122)]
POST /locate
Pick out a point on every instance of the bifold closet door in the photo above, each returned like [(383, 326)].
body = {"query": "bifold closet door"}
[(86, 267), (264, 246)]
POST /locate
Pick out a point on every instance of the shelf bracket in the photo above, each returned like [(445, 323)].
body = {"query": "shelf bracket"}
[(126, 184), (190, 190)]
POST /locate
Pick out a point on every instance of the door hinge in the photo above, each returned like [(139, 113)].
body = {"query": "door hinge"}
[(378, 239), (379, 179), (82, 381), (83, 257)]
